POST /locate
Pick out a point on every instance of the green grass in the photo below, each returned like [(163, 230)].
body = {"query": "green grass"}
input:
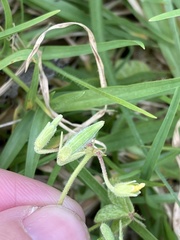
[(141, 84)]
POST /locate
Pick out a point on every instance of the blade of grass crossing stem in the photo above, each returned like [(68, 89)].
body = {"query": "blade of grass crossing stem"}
[(86, 85), (39, 121), (157, 145)]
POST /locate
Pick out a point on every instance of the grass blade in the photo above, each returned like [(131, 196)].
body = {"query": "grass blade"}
[(28, 24), (38, 122), (166, 15), (156, 148), (99, 91), (16, 141)]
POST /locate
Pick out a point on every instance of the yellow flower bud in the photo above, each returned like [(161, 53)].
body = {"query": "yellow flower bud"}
[(127, 189)]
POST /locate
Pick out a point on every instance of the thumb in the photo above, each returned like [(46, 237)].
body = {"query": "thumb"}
[(49, 222)]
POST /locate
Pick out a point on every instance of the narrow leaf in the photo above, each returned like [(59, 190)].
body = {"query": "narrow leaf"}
[(166, 15), (16, 141), (53, 52), (160, 138), (99, 91), (141, 230), (39, 121), (26, 25)]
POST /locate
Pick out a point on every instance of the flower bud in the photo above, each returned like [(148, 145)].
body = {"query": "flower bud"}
[(128, 189)]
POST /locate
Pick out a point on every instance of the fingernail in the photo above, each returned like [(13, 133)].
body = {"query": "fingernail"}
[(55, 222)]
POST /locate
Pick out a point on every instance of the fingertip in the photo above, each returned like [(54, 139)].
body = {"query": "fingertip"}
[(17, 190), (55, 222)]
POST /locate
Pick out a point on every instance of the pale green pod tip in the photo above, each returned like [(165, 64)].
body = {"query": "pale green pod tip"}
[(63, 155), (56, 120), (99, 124), (75, 147), (46, 134)]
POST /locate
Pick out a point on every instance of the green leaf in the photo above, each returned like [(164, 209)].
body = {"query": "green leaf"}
[(124, 203), (168, 186), (53, 175), (141, 230), (122, 138), (26, 25), (156, 148), (134, 92), (38, 123), (16, 141), (113, 98), (53, 52), (14, 57), (8, 14), (8, 24), (99, 29), (32, 93), (106, 232), (166, 15), (110, 212), (69, 11), (130, 68), (25, 88)]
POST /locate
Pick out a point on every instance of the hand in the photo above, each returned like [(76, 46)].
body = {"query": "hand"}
[(28, 211)]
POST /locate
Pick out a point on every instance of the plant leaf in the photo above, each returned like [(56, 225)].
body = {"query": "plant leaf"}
[(27, 24), (166, 15)]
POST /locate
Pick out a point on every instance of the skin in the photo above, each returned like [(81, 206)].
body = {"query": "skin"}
[(29, 211)]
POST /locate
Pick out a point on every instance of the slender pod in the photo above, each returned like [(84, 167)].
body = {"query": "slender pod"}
[(46, 134), (74, 148)]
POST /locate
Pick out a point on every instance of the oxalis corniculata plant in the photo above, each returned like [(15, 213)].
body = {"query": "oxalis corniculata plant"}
[(132, 147)]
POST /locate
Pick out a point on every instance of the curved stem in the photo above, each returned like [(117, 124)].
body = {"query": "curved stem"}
[(104, 172)]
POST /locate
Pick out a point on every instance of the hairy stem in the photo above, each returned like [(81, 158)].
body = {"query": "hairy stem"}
[(73, 176), (104, 172)]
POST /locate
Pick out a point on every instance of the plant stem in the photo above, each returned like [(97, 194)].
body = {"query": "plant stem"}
[(73, 176), (104, 172)]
